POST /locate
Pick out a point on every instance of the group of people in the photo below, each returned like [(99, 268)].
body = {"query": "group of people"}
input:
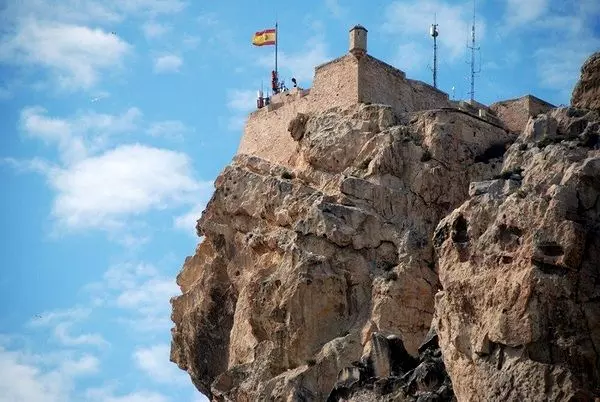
[(279, 86), (276, 86)]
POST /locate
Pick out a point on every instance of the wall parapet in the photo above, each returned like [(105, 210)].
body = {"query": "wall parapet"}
[(334, 61)]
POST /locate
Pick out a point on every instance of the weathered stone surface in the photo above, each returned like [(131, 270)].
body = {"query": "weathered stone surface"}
[(515, 113), (407, 379), (586, 94), (518, 314), (299, 270), (297, 126)]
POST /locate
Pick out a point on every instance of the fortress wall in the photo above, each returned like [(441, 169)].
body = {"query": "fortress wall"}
[(339, 83), (265, 133), (381, 83), (515, 113), (335, 83), (427, 97)]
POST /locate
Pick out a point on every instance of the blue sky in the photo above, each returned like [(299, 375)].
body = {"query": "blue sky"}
[(117, 115)]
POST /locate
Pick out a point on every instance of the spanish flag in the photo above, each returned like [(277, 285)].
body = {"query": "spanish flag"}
[(266, 37)]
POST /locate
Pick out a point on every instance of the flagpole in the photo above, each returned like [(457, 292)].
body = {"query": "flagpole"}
[(276, 44)]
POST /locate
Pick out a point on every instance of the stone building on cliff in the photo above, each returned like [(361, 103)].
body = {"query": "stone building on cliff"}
[(358, 77), (422, 249)]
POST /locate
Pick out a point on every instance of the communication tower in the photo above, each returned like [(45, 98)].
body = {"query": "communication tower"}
[(473, 49), (434, 34)]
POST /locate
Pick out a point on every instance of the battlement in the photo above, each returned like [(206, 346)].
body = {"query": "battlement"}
[(360, 78), (284, 97), (345, 81)]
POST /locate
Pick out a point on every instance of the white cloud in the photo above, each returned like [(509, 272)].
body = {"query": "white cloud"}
[(101, 187), (127, 275), (410, 57), (144, 297), (172, 129), (98, 11), (63, 321), (301, 65), (187, 221), (58, 38), (153, 29), (168, 63), (411, 21), (34, 165), (74, 11), (99, 96), (47, 318), (76, 137), (87, 364), (559, 65), (126, 181), (75, 55), (240, 102), (31, 378), (140, 292), (520, 12), (569, 39), (154, 362), (61, 331)]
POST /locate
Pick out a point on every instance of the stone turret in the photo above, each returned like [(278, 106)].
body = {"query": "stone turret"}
[(358, 41)]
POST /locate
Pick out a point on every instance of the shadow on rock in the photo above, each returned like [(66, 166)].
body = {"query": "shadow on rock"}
[(407, 379)]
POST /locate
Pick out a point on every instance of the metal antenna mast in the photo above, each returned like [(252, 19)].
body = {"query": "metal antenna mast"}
[(434, 34), (473, 49)]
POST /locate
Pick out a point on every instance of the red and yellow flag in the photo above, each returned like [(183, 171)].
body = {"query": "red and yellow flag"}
[(266, 37)]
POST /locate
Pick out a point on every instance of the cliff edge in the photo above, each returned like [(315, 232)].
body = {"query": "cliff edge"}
[(304, 271), (586, 94), (425, 256)]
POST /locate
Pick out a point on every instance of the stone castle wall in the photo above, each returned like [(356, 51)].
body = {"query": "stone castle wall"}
[(378, 82), (341, 82), (515, 113), (265, 133)]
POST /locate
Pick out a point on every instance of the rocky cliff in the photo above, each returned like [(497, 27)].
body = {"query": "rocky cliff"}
[(586, 94), (320, 280), (519, 314)]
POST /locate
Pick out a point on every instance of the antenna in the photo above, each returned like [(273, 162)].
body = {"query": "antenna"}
[(434, 34), (473, 49)]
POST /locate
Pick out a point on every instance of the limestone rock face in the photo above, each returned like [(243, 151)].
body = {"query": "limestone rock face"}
[(586, 94), (409, 379), (305, 269), (519, 314)]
